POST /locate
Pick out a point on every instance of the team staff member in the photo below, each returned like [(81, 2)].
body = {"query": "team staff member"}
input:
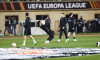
[(28, 30), (98, 18), (7, 26), (80, 25), (13, 23), (72, 26), (62, 26), (46, 27)]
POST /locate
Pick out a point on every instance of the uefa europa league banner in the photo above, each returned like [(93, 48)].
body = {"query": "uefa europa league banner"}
[(49, 5), (57, 5)]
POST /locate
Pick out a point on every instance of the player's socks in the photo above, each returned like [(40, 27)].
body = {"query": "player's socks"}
[(34, 42), (75, 39), (59, 39), (67, 40), (24, 42)]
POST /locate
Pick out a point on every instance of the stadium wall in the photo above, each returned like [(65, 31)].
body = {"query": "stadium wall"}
[(54, 15)]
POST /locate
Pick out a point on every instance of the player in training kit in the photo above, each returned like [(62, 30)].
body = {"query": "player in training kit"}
[(72, 26), (28, 29), (62, 26), (46, 27)]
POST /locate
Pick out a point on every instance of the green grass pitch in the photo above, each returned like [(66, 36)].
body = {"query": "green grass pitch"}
[(83, 42)]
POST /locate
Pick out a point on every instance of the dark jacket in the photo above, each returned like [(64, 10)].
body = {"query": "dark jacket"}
[(63, 22), (27, 26), (98, 20), (72, 22), (13, 21), (7, 23), (47, 23), (46, 27), (81, 21)]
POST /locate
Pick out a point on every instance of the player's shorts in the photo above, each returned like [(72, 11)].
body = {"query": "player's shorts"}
[(27, 31), (72, 30)]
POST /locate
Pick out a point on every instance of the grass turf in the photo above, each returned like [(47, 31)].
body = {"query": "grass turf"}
[(83, 41)]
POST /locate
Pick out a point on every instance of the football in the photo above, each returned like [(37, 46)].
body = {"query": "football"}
[(13, 44), (43, 22)]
